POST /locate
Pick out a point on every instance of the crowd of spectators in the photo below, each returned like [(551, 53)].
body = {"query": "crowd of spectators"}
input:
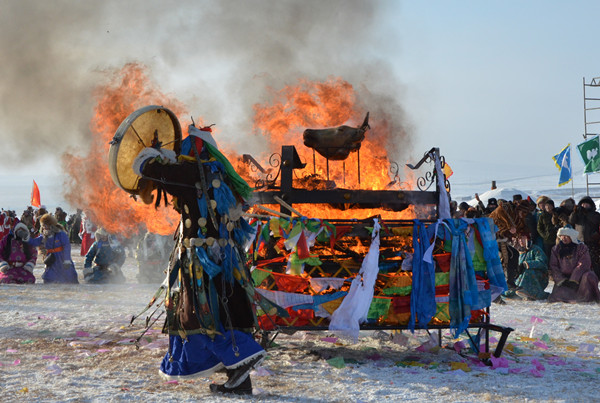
[(539, 242)]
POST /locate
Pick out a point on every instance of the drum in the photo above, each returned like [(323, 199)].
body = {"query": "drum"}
[(150, 126)]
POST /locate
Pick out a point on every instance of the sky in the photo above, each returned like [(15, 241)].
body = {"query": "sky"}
[(496, 85)]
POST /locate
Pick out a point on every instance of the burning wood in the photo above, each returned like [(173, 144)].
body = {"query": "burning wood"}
[(338, 142)]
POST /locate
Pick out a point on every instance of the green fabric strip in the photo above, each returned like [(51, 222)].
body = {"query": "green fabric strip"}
[(239, 184), (379, 307)]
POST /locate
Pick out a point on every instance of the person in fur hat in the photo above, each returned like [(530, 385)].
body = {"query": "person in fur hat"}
[(563, 212), (56, 250), (570, 266), (107, 256), (586, 220), (17, 257)]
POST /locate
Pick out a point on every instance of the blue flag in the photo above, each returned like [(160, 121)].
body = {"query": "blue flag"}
[(563, 163)]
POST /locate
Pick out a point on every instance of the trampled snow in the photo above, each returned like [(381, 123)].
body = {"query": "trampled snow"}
[(74, 343)]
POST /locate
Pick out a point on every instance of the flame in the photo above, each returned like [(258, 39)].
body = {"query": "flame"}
[(319, 105), (91, 186), (309, 104)]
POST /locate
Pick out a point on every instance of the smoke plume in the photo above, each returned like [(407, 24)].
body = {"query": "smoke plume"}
[(217, 57)]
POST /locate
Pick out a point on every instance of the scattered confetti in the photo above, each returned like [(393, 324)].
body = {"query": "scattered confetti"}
[(454, 365), (499, 362), (337, 362)]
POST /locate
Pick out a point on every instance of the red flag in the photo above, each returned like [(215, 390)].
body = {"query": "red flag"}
[(35, 195)]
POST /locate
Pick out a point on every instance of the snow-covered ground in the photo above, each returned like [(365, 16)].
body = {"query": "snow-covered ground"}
[(74, 343)]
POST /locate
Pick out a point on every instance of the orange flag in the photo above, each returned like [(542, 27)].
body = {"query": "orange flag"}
[(447, 171), (35, 195)]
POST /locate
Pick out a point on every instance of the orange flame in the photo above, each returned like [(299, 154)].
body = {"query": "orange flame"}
[(328, 104), (295, 108), (91, 186)]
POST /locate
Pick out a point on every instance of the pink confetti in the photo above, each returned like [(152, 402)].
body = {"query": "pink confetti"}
[(535, 373), (459, 346), (31, 324), (540, 344), (538, 365), (11, 350), (16, 362), (329, 339), (535, 319), (81, 333), (500, 362), (102, 350), (173, 382)]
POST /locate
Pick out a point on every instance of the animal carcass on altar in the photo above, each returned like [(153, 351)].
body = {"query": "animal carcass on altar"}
[(338, 142)]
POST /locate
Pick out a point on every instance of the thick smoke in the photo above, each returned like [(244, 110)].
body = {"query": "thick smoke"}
[(217, 57)]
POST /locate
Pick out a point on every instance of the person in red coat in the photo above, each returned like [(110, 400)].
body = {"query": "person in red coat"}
[(86, 233)]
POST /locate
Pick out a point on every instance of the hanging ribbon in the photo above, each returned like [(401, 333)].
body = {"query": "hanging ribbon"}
[(422, 301), (463, 285)]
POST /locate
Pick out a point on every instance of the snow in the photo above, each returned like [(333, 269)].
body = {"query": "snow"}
[(74, 343)]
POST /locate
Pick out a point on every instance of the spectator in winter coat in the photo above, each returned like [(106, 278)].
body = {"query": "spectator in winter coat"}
[(104, 260), (574, 280), (56, 250), (74, 225), (546, 228), (27, 218), (533, 265), (586, 220), (87, 229), (561, 218), (492, 203), (17, 257)]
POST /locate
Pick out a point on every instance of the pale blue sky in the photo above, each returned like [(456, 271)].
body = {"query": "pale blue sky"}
[(498, 84)]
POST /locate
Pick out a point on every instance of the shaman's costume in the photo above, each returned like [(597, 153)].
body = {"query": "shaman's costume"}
[(208, 302), (17, 257)]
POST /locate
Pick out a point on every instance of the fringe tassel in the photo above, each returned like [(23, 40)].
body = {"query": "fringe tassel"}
[(208, 265), (224, 198), (203, 206), (226, 254)]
